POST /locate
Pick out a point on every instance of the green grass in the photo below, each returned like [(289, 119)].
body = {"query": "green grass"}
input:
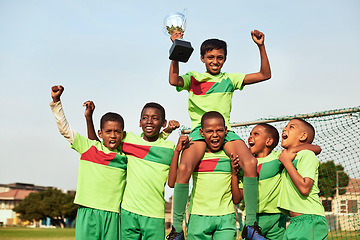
[(344, 235), (24, 233)]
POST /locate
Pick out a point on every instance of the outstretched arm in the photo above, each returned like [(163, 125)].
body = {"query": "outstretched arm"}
[(303, 185), (89, 110), (174, 78), (237, 194), (307, 146), (181, 145), (265, 71), (59, 115)]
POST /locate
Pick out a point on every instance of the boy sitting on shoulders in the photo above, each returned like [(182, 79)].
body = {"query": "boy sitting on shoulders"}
[(213, 91)]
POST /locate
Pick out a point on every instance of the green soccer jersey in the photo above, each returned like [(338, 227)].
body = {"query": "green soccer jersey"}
[(269, 171), (102, 175), (147, 172), (211, 193), (290, 198), (210, 93)]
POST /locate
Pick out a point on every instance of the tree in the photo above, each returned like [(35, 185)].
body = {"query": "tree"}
[(327, 179), (50, 203)]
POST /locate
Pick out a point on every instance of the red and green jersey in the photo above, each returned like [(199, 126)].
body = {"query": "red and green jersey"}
[(290, 198), (269, 171), (102, 175), (211, 193), (210, 93), (147, 172), (269, 174)]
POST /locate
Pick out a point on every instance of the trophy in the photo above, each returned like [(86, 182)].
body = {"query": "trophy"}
[(180, 50)]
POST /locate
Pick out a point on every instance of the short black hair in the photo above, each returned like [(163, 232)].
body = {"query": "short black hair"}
[(211, 44), (308, 128), (157, 106), (273, 132), (113, 117), (210, 115)]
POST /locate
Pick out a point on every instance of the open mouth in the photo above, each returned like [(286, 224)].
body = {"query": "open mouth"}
[(251, 143), (215, 142), (112, 144), (284, 136)]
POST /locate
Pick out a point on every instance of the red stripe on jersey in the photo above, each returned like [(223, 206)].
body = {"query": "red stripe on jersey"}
[(207, 165), (139, 151), (258, 169), (96, 156), (200, 88)]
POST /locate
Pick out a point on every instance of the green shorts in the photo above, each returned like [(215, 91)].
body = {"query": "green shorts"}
[(211, 227), (135, 226), (307, 226), (272, 225), (95, 224), (196, 136)]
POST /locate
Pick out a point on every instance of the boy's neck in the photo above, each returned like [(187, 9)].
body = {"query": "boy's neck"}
[(213, 74), (295, 145), (152, 139), (264, 153)]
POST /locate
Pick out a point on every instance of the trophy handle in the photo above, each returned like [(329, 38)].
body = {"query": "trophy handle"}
[(185, 16)]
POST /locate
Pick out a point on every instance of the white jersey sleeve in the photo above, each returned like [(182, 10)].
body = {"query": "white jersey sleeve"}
[(61, 121)]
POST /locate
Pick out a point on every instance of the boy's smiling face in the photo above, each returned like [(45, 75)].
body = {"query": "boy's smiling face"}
[(214, 131), (151, 122), (214, 61), (292, 134), (258, 140), (111, 134)]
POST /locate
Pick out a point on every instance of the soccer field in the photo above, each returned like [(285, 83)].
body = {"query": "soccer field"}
[(23, 233)]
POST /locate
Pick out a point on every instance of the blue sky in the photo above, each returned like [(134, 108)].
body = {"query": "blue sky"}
[(116, 54)]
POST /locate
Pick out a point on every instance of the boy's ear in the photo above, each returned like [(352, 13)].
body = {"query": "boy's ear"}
[(201, 132), (164, 124), (202, 59), (303, 137), (124, 134), (225, 130), (269, 142), (99, 134)]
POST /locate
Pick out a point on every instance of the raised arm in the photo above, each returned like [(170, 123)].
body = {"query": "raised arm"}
[(89, 110), (57, 110), (174, 78), (265, 71), (181, 145), (237, 193), (303, 185), (172, 125)]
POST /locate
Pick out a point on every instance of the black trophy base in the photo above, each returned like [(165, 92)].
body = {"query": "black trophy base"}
[(180, 50)]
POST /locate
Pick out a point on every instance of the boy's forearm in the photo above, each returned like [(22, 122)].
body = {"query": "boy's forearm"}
[(265, 64), (307, 146), (62, 123), (90, 129), (173, 169), (300, 183), (174, 73), (235, 191)]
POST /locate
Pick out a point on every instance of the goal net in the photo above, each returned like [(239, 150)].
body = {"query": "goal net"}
[(338, 134)]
